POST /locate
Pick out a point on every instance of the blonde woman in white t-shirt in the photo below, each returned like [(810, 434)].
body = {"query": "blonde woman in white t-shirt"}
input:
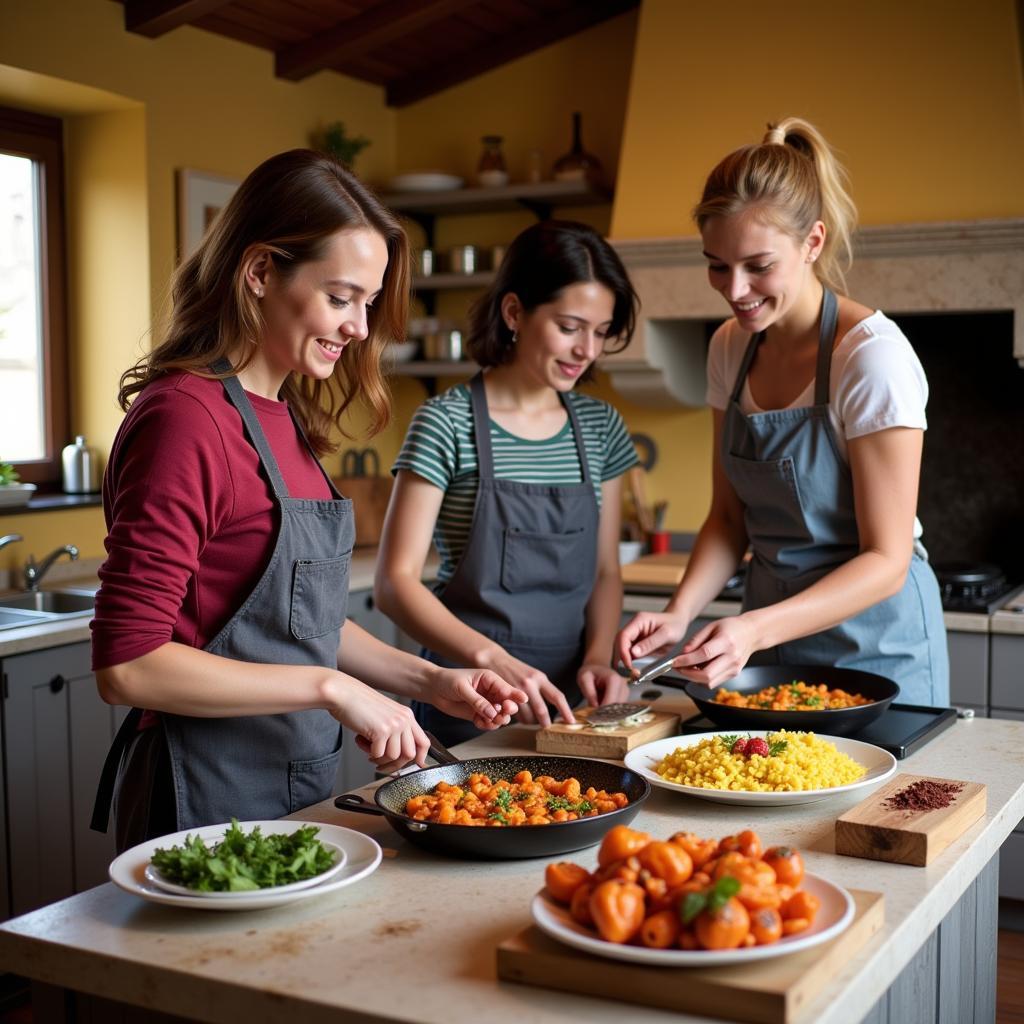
[(819, 421)]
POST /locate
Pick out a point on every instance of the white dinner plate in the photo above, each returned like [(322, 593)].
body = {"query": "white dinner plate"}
[(362, 855), (338, 858), (879, 765), (834, 916), (425, 181)]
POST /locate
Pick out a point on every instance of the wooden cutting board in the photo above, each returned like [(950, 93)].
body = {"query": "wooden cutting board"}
[(773, 991), (876, 832), (656, 570), (559, 738)]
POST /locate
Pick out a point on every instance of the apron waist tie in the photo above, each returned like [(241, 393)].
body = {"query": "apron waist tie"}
[(111, 766)]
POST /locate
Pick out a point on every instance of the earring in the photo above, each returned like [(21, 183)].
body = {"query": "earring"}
[(515, 337), (258, 292)]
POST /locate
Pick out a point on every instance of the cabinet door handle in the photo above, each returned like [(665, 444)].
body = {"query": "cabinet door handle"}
[(57, 684)]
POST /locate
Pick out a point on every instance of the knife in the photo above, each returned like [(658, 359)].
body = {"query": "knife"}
[(654, 671)]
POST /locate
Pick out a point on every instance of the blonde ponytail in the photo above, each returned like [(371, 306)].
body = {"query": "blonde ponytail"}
[(793, 179)]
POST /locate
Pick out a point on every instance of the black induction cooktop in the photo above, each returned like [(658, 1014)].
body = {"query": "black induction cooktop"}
[(902, 730)]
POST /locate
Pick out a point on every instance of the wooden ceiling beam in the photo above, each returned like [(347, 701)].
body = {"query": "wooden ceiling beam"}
[(460, 67), (362, 34), (155, 17)]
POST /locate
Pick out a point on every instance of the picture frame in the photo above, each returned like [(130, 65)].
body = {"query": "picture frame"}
[(201, 196)]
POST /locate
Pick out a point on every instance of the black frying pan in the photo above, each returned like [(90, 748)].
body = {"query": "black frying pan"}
[(504, 843), (832, 722)]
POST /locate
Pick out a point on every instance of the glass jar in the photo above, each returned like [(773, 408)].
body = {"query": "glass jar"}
[(491, 171)]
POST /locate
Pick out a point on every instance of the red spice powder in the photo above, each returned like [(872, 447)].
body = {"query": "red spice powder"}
[(924, 795)]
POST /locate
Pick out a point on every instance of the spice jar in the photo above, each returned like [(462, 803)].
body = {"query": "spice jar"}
[(491, 171)]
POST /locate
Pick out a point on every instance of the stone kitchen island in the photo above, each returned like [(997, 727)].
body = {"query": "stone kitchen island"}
[(415, 941)]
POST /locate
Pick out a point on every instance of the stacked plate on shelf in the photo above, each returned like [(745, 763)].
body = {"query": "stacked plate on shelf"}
[(354, 857)]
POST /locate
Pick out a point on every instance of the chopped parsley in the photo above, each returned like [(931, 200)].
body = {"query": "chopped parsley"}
[(562, 803)]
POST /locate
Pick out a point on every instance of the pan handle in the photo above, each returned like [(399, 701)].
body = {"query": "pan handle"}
[(354, 802)]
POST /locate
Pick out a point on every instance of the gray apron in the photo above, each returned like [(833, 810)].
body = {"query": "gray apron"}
[(797, 493), (187, 772), (528, 570)]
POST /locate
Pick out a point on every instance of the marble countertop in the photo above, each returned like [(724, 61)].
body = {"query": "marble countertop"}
[(416, 940)]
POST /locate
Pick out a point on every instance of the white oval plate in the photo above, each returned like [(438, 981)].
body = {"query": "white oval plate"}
[(834, 916), (425, 181), (879, 765), (362, 856), (338, 854)]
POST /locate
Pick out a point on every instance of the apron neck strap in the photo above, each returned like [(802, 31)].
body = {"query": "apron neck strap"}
[(238, 398), (827, 321), (482, 430)]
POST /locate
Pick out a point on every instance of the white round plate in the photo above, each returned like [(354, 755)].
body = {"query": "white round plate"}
[(362, 856), (879, 765), (425, 181), (834, 916), (338, 854)]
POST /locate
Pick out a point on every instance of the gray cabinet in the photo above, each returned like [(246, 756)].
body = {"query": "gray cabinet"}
[(56, 733), (968, 668), (1006, 652)]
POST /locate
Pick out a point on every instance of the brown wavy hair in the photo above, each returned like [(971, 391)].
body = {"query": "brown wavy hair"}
[(292, 204), (792, 178)]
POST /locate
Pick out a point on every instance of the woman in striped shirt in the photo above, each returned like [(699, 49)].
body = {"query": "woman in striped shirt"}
[(515, 478)]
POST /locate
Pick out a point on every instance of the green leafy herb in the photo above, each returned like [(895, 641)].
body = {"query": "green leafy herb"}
[(498, 816), (503, 798), (777, 747), (712, 899), (563, 803), (729, 741), (765, 703), (812, 701), (8, 474), (244, 861)]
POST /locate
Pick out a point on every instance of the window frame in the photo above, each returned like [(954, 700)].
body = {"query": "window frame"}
[(41, 139)]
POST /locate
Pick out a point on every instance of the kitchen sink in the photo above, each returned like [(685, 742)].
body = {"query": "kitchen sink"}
[(12, 620), (50, 602)]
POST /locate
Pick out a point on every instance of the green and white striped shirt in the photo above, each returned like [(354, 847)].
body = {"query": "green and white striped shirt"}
[(439, 446)]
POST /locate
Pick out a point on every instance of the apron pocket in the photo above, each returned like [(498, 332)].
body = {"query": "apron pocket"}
[(319, 596), (309, 782), (547, 562)]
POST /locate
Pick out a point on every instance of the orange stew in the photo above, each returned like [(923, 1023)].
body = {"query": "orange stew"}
[(686, 893), (794, 696), (523, 801)]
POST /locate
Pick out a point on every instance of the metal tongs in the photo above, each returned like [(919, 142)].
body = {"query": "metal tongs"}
[(659, 668)]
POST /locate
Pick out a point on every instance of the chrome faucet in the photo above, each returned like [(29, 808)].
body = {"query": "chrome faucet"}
[(35, 571), (10, 538)]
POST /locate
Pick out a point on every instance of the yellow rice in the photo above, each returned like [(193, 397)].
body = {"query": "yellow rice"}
[(808, 762)]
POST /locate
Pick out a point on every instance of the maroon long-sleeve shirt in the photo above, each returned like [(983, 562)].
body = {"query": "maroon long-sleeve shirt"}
[(191, 521)]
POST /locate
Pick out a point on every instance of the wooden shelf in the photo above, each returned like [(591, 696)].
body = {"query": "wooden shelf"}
[(439, 282), (433, 368), (540, 195)]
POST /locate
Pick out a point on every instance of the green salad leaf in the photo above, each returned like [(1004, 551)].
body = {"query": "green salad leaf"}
[(244, 861)]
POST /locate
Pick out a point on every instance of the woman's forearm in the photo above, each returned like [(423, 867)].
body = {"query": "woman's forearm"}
[(863, 581), (384, 667), (604, 610), (717, 553), (182, 680), (418, 611)]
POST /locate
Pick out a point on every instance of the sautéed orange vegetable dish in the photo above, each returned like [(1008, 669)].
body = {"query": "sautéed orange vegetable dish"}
[(794, 696), (524, 800)]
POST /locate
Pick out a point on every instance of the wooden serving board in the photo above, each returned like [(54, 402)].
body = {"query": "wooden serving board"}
[(773, 991), (559, 738), (875, 832), (656, 570)]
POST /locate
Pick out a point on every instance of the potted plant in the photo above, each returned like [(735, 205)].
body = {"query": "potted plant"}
[(334, 140), (12, 490)]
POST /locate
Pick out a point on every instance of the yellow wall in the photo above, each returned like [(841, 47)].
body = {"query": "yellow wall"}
[(923, 99)]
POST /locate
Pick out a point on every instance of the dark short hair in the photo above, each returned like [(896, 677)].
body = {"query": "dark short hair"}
[(543, 260)]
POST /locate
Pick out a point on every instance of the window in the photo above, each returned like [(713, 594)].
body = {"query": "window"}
[(33, 339)]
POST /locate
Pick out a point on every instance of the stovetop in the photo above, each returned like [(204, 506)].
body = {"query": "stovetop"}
[(974, 586), (902, 730)]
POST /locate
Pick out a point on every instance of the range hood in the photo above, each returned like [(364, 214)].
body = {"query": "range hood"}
[(908, 268)]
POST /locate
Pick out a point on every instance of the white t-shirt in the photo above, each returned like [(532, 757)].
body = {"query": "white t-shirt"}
[(877, 381)]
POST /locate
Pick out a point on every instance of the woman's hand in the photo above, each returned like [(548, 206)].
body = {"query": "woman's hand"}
[(718, 651), (649, 633), (479, 695), (539, 690), (601, 684), (385, 730)]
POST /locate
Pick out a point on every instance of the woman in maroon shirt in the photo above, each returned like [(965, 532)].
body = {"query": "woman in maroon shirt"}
[(222, 605)]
